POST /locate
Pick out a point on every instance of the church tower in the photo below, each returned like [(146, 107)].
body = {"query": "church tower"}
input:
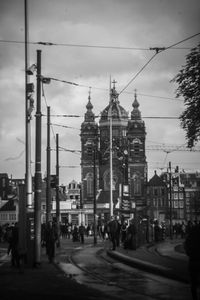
[(89, 159), (113, 160), (116, 114), (137, 165)]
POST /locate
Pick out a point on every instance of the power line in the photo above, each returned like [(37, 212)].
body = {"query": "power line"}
[(105, 89), (65, 126), (158, 50), (98, 116), (88, 46), (136, 75)]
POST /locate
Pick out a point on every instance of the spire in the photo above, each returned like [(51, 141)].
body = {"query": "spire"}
[(114, 94), (135, 114), (89, 115)]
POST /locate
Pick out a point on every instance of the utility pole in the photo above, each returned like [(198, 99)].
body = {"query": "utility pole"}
[(170, 200), (57, 188), (95, 204), (48, 179), (38, 176), (28, 176), (111, 155)]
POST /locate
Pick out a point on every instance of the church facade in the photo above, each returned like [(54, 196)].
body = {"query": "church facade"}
[(113, 160)]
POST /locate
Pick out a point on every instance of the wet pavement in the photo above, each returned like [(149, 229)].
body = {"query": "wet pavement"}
[(64, 279)]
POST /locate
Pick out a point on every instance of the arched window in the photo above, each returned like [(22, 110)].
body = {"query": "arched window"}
[(89, 179), (136, 184), (135, 147), (106, 180)]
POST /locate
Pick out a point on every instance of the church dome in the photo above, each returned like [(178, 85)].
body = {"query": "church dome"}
[(118, 112)]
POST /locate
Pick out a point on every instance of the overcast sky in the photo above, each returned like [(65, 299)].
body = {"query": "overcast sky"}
[(139, 24)]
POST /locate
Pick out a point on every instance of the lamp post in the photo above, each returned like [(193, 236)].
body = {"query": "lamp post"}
[(94, 187), (170, 200), (38, 175)]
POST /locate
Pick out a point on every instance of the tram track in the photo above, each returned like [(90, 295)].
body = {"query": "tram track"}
[(112, 268)]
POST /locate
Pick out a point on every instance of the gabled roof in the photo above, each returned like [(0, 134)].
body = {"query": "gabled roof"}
[(156, 181), (8, 206)]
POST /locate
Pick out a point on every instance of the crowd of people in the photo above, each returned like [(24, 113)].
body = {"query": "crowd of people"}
[(119, 233)]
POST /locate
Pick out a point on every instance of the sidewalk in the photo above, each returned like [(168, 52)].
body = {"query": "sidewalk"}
[(161, 259), (46, 282)]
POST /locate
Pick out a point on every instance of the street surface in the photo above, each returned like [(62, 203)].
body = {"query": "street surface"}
[(89, 265)]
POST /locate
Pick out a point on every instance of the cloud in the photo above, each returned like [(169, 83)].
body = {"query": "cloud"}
[(128, 23)]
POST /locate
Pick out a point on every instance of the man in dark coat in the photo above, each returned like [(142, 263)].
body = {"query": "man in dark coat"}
[(51, 236), (13, 246), (81, 230), (192, 249), (113, 231)]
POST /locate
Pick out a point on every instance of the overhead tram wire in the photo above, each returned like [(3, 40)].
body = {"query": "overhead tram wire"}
[(158, 50), (43, 95), (98, 116), (87, 45), (105, 89)]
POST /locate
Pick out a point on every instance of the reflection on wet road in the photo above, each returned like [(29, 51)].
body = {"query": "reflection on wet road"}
[(116, 279)]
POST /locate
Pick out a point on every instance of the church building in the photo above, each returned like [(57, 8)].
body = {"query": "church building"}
[(113, 160)]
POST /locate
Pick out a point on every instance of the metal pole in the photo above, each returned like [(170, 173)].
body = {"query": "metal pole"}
[(95, 204), (28, 176), (111, 158), (57, 188), (38, 176), (48, 182), (170, 199)]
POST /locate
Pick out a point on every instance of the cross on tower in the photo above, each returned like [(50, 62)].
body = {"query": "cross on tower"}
[(114, 81)]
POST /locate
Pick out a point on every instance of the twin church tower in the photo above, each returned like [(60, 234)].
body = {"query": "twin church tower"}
[(113, 156)]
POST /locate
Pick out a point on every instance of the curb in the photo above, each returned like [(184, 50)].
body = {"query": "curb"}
[(146, 266)]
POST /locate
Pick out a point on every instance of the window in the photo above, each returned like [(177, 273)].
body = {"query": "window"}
[(135, 185), (181, 205), (175, 195), (12, 217), (3, 182), (123, 132), (89, 184), (155, 192), (175, 204), (180, 195), (115, 132)]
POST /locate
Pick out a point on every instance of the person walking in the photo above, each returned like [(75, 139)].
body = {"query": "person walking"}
[(192, 249), (81, 230), (51, 237), (113, 231), (13, 246), (123, 232)]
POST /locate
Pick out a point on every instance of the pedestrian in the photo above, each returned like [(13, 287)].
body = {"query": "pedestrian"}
[(113, 231), (192, 249), (51, 237), (130, 241), (123, 232), (81, 230), (75, 234), (13, 239)]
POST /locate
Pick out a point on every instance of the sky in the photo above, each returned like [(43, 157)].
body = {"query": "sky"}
[(75, 27)]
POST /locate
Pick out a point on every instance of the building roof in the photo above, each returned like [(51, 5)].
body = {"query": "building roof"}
[(156, 181), (8, 206), (118, 112)]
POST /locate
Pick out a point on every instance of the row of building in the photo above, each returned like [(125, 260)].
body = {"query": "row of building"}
[(114, 171), (178, 201)]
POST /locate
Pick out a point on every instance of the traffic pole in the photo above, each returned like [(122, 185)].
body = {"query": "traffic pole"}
[(48, 179), (38, 176)]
